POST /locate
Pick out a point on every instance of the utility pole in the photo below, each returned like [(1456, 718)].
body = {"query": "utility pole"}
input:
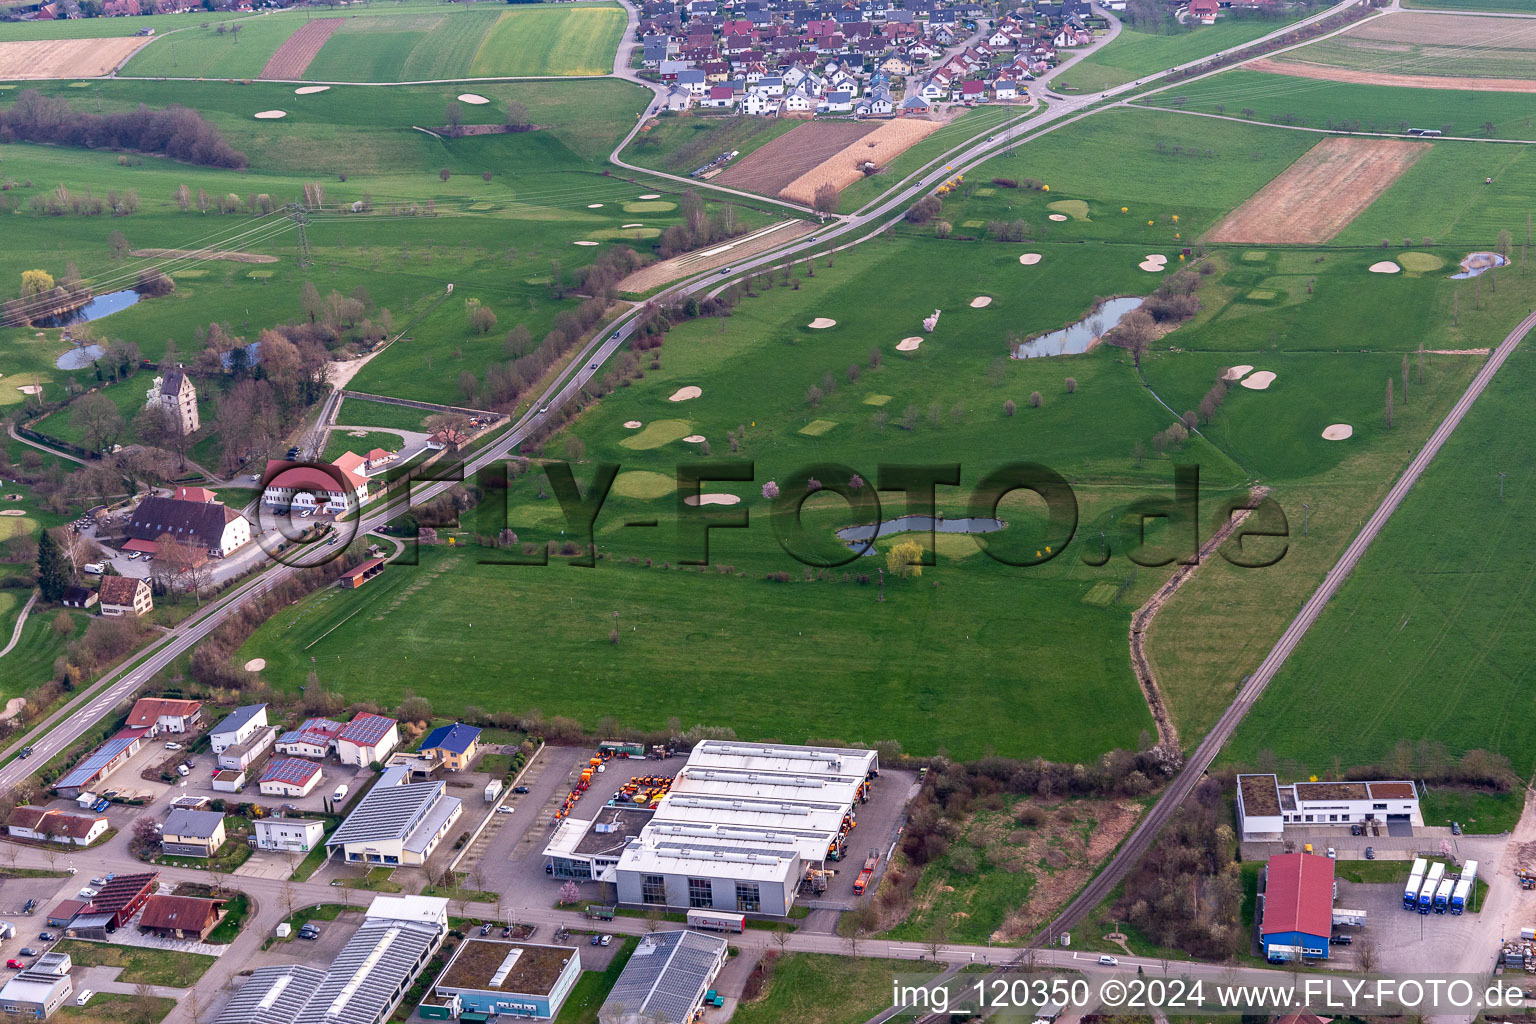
[(301, 219)]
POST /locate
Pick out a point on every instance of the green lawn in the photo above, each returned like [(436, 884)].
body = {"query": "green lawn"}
[(30, 664), (797, 989), (1477, 811), (680, 144), (103, 28), (357, 412), (342, 441), (1427, 637), (1133, 54), (206, 52), (1322, 104), (117, 1008), (578, 39), (139, 963)]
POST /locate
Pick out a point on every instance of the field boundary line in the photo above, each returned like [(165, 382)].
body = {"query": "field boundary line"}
[(1328, 131)]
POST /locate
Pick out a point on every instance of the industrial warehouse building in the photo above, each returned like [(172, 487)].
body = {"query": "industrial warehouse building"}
[(364, 984), (1266, 809), (665, 980), (492, 978), (396, 823), (1298, 907), (740, 828)]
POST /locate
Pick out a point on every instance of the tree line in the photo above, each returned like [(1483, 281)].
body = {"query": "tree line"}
[(177, 132)]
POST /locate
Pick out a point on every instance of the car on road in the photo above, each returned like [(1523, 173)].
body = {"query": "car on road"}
[(101, 805), (1108, 961), (133, 556), (725, 270), (46, 936), (89, 893), (310, 931), (485, 929), (1332, 854), (544, 410), (503, 809), (596, 939), (183, 770), (607, 939), (27, 951), (25, 752), (1455, 828), (519, 789), (506, 932), (306, 513), (1354, 830), (1341, 940), (30, 906), (98, 882), (1370, 853), (14, 964), (172, 745)]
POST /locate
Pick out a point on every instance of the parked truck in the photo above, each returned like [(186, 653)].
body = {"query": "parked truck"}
[(1443, 894), (1461, 896), (868, 871), (1415, 883), (492, 791), (1431, 883)]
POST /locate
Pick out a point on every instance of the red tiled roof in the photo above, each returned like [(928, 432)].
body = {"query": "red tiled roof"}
[(142, 546), (120, 589), (148, 710), (1299, 895), (188, 913)]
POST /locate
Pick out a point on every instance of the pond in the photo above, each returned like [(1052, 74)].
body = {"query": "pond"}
[(857, 537), (98, 307), (79, 358), (252, 356), (1477, 262), (1076, 338)]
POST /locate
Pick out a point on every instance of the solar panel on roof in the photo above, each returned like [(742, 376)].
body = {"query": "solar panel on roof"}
[(293, 770)]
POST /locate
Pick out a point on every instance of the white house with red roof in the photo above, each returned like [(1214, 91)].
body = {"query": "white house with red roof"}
[(299, 486), (156, 715)]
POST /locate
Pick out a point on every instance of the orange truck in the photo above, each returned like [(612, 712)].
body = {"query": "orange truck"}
[(862, 882)]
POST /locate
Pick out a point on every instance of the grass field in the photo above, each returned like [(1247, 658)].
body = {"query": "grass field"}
[(679, 144), (1496, 6), (409, 42), (102, 28), (341, 442), (1133, 54), (1417, 44), (592, 987), (117, 1008), (362, 413), (139, 963), (1321, 104), (798, 987), (967, 125), (1426, 638)]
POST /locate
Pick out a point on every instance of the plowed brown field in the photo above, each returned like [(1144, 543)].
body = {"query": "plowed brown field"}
[(293, 57), (843, 168), (1314, 198), (1328, 73), (65, 58), (769, 169)]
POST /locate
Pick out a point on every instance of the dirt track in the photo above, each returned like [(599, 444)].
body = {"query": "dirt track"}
[(1333, 74), (665, 271), (774, 166), (841, 169), (1314, 198), (292, 58), (65, 58)]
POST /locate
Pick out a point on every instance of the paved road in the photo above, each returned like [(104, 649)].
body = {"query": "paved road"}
[(1194, 769)]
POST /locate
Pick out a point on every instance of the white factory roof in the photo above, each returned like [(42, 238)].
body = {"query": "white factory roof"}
[(810, 845), (842, 790), (774, 757), (426, 909), (763, 814), (647, 856)]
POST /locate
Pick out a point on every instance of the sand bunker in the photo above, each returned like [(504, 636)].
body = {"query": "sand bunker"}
[(694, 438), (1385, 267), (594, 206), (631, 226), (712, 499), (1152, 268), (1259, 381), (683, 394), (30, 389), (256, 664), (270, 115), (13, 512), (821, 323), (1056, 216), (474, 99), (1156, 257), (981, 302), (1029, 259), (1338, 432), (357, 433), (651, 195), (583, 242), (908, 344), (1236, 372), (309, 90), (632, 424)]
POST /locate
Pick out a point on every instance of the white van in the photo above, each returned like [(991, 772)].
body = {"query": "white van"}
[(94, 568), (84, 997), (340, 794), (183, 770)]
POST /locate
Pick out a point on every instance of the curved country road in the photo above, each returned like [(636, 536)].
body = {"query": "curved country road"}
[(1194, 769)]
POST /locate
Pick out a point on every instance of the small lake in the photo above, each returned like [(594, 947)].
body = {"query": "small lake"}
[(252, 352), (1073, 340), (1477, 262), (100, 306), (857, 537), (79, 358)]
